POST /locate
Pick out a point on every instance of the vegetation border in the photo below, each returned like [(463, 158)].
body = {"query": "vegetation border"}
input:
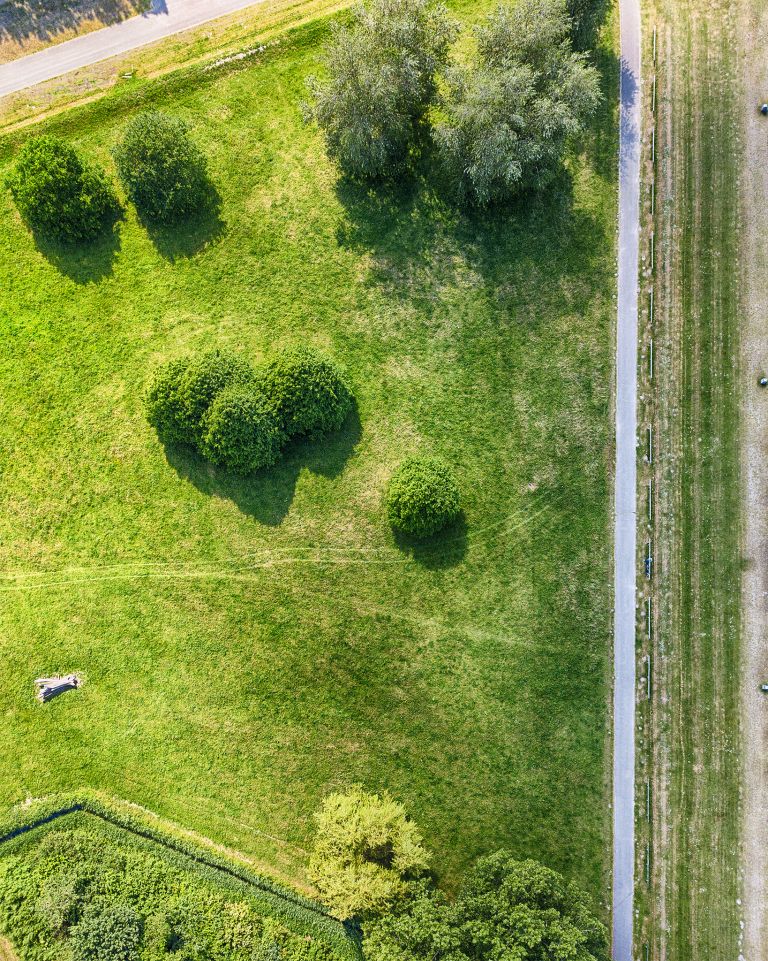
[(289, 906)]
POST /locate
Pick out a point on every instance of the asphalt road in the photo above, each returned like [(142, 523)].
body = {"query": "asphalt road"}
[(166, 17), (625, 487)]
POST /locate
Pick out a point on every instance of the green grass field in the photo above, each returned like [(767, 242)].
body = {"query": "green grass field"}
[(250, 644)]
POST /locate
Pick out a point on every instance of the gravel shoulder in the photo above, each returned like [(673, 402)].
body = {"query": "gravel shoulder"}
[(754, 363)]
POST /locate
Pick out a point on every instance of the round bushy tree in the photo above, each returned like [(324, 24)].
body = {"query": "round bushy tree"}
[(308, 390), (241, 430), (58, 193), (505, 909), (506, 122), (204, 378), (107, 934), (161, 169), (422, 497), (366, 850), (163, 404)]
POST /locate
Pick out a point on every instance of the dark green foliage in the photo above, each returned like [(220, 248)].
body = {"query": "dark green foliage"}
[(422, 497), (241, 430), (204, 378), (381, 82), (308, 390), (110, 932), (58, 193), (161, 168), (505, 909), (162, 402), (507, 120), (586, 17)]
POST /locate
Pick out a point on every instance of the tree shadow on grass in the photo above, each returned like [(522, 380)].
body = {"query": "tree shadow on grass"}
[(192, 235), (441, 551), (85, 263), (266, 495)]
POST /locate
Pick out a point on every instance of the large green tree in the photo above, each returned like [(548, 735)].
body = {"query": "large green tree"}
[(506, 910), (507, 119), (381, 80), (366, 852)]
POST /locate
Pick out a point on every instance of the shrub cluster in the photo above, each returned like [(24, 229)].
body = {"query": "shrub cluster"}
[(240, 418), (162, 170), (123, 900), (422, 497), (60, 194)]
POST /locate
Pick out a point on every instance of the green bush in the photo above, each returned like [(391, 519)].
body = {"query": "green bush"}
[(422, 497), (366, 850), (204, 378), (58, 194), (162, 402), (107, 933), (241, 430), (308, 390), (505, 909), (161, 169)]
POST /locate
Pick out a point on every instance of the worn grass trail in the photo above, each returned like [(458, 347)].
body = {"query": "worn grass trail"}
[(696, 772)]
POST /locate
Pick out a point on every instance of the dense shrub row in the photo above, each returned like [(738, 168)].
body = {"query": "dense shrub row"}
[(122, 827), (67, 198), (239, 417)]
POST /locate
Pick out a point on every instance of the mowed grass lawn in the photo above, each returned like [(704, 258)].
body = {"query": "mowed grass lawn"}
[(251, 644)]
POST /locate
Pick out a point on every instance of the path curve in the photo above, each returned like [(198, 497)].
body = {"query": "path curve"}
[(625, 487), (165, 18)]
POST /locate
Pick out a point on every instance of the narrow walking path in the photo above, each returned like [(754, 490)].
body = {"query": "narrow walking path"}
[(165, 18), (625, 490)]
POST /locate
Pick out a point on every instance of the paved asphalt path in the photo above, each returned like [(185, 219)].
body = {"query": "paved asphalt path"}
[(625, 487), (165, 17)]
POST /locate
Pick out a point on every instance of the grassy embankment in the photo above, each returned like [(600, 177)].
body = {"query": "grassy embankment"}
[(694, 712), (250, 644)]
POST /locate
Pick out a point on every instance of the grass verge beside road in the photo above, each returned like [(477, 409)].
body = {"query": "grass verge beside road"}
[(692, 720)]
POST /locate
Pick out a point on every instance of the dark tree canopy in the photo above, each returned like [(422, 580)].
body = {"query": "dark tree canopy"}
[(381, 82), (241, 431), (308, 391), (508, 119), (58, 193), (506, 909), (160, 167), (110, 933)]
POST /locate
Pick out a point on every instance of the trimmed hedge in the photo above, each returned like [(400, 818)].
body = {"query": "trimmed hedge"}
[(422, 497), (160, 167), (240, 418), (24, 826), (58, 193), (308, 390)]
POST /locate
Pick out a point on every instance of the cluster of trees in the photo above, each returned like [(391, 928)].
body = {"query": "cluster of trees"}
[(66, 197), (240, 417), (369, 864), (499, 124)]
